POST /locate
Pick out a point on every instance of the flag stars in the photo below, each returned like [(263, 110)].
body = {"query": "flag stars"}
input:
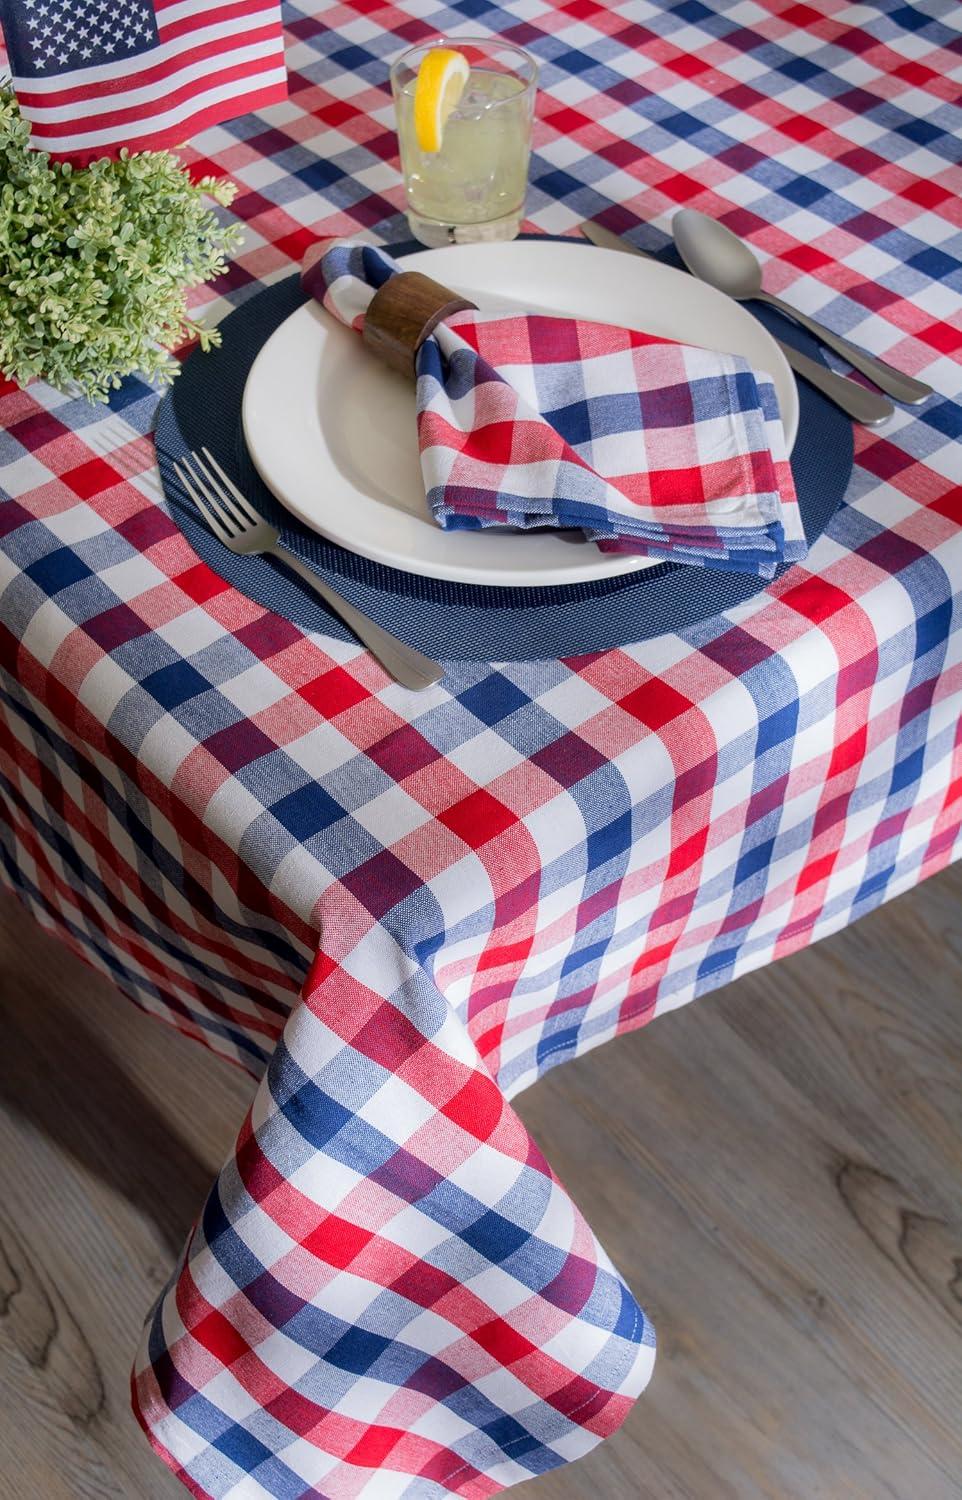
[(61, 35)]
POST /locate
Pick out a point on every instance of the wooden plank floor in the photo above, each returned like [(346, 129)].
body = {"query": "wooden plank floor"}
[(777, 1169)]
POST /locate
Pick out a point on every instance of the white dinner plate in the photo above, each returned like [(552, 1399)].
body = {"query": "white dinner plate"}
[(332, 433)]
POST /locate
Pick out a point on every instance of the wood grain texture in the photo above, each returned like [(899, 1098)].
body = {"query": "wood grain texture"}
[(776, 1169), (404, 311)]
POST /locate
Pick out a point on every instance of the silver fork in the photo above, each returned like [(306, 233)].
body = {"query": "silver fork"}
[(236, 523)]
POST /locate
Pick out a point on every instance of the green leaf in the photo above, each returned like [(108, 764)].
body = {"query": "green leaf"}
[(95, 264)]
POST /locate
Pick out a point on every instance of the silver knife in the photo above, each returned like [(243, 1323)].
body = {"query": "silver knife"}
[(860, 404)]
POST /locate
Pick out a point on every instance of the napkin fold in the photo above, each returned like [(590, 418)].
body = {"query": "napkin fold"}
[(646, 445)]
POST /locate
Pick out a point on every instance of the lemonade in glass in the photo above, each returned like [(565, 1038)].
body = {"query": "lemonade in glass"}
[(464, 111)]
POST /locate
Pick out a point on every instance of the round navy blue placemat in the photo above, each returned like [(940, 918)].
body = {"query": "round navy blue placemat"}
[(455, 621)]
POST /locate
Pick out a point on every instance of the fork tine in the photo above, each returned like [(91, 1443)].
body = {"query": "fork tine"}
[(240, 499), (215, 500), (227, 492), (217, 495), (213, 518), (208, 507)]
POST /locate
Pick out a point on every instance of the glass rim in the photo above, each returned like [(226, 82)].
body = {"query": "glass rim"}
[(489, 42)]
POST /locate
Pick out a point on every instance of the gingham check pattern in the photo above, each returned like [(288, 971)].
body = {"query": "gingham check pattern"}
[(413, 906), (646, 445)]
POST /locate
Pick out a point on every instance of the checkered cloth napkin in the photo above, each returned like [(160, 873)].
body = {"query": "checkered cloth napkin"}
[(646, 445)]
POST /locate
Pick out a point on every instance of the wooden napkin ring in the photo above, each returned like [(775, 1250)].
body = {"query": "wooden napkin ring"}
[(402, 314)]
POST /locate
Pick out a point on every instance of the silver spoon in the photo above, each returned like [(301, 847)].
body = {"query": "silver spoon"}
[(716, 255), (853, 399)]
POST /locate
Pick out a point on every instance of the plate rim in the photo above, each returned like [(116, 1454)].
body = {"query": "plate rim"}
[(611, 566)]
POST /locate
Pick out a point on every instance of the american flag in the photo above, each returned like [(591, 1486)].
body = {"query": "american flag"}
[(92, 76)]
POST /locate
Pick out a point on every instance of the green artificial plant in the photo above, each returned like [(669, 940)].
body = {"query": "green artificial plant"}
[(95, 264)]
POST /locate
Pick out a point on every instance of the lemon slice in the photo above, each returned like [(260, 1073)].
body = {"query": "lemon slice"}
[(440, 84)]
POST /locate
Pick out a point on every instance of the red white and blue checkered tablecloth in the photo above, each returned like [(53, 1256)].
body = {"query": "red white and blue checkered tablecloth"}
[(412, 906)]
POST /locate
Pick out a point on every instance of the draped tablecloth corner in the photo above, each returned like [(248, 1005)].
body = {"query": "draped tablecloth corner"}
[(386, 1219)]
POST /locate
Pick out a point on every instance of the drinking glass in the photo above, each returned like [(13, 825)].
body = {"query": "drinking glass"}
[(473, 188)]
